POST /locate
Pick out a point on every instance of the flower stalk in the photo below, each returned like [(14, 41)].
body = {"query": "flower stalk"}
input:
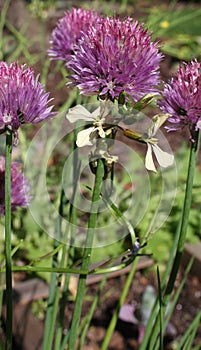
[(8, 255), (87, 254), (182, 236)]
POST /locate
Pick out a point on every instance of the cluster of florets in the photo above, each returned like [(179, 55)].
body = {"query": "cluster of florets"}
[(22, 100), (115, 57), (68, 31), (19, 187), (22, 97), (107, 56), (182, 97)]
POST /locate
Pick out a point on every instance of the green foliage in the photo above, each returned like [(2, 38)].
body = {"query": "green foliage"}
[(194, 227), (38, 307), (41, 9), (161, 241), (178, 28), (35, 245)]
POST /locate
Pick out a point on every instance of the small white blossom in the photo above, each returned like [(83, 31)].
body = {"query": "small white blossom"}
[(102, 151), (96, 118), (164, 159)]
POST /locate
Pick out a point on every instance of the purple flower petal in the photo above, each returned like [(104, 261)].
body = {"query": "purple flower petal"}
[(22, 97), (114, 57), (127, 314), (69, 30), (182, 97)]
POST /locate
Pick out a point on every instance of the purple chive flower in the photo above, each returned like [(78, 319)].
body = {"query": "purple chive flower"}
[(182, 97), (22, 97), (19, 187), (113, 57), (68, 32)]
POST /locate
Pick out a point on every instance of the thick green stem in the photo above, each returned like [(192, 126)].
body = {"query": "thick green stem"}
[(87, 255), (182, 236), (8, 255), (90, 313)]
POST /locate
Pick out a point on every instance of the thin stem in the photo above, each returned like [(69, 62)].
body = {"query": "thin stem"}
[(54, 291), (8, 252), (191, 328), (96, 271), (50, 307), (114, 319), (87, 254), (160, 307), (182, 236), (69, 252), (152, 317), (171, 307)]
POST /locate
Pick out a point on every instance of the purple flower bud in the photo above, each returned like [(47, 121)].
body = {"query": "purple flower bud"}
[(136, 247)]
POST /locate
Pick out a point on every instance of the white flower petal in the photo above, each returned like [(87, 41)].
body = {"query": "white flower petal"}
[(101, 132), (149, 163), (106, 108), (96, 113), (164, 159), (157, 121), (83, 137), (79, 113)]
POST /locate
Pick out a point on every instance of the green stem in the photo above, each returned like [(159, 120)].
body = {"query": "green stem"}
[(182, 237), (59, 330), (50, 307), (171, 307), (97, 271), (160, 308), (87, 254), (8, 253), (55, 306), (154, 311), (54, 292), (88, 318), (192, 328), (68, 261), (114, 319)]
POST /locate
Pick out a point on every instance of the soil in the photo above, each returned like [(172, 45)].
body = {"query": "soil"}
[(126, 334), (28, 329)]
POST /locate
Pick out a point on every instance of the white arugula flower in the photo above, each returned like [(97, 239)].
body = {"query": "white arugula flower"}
[(102, 150), (97, 119), (164, 159)]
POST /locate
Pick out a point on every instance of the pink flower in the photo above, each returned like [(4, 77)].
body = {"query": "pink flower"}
[(19, 187), (22, 97), (68, 31), (115, 57), (182, 97)]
